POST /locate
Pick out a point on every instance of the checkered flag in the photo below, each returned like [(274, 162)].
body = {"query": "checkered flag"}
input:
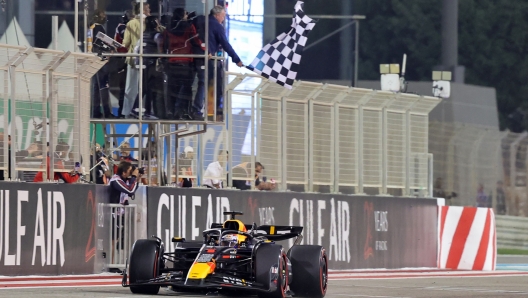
[(279, 60)]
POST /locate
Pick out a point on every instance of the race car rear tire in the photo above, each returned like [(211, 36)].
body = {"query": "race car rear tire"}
[(144, 265), (310, 270), (270, 256)]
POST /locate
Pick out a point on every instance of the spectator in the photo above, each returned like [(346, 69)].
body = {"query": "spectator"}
[(101, 94), (217, 42), (132, 35), (145, 151), (244, 170), (34, 150), (60, 151), (501, 199), (199, 69), (2, 160), (438, 191), (185, 164), (152, 81), (119, 63), (102, 168), (482, 199), (125, 153), (215, 171), (179, 39)]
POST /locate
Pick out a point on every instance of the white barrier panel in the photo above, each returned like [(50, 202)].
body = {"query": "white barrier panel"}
[(467, 237)]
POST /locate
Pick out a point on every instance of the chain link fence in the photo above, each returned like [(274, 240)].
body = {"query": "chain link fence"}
[(472, 165)]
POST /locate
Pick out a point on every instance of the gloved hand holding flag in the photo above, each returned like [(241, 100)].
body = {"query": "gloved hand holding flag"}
[(279, 60)]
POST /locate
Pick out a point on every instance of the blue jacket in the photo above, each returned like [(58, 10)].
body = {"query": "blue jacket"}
[(217, 38)]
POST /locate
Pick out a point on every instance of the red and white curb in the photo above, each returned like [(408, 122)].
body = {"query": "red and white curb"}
[(100, 280), (114, 280)]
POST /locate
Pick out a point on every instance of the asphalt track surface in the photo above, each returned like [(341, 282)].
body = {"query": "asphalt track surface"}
[(374, 284)]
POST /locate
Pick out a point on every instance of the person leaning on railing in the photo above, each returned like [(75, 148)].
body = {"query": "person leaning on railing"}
[(244, 170), (132, 35), (215, 171), (179, 38), (60, 152)]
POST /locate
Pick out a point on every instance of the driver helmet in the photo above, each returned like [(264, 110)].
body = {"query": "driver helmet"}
[(230, 240)]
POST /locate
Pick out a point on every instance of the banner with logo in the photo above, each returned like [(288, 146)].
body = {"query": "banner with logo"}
[(358, 232), (46, 229)]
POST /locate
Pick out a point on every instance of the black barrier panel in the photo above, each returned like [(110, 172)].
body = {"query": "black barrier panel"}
[(358, 232), (46, 229)]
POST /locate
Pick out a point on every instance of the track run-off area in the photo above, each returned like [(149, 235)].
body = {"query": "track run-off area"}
[(379, 284)]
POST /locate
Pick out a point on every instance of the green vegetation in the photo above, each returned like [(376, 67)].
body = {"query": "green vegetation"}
[(492, 45), (511, 251)]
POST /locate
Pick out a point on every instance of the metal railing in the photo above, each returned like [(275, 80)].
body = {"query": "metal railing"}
[(468, 166), (122, 233), (330, 138), (47, 95)]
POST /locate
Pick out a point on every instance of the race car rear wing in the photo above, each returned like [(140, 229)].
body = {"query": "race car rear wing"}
[(278, 233), (278, 230), (275, 233), (267, 229)]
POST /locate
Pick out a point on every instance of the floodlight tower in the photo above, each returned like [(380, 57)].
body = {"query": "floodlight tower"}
[(442, 84), (390, 78)]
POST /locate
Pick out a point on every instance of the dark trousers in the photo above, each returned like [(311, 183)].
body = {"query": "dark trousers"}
[(199, 97), (101, 95), (179, 81), (151, 86), (219, 85), (118, 72)]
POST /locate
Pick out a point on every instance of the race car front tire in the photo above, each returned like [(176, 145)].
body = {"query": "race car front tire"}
[(144, 265), (271, 270), (309, 270)]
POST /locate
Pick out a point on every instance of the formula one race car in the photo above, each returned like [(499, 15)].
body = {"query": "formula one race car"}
[(234, 258)]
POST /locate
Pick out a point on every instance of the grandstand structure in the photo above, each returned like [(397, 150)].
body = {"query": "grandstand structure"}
[(314, 138)]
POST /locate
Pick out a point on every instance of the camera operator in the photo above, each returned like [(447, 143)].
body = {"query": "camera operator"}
[(119, 66), (124, 183), (101, 94)]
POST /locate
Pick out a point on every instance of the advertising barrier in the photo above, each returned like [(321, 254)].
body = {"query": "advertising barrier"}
[(46, 228), (358, 232), (55, 229)]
